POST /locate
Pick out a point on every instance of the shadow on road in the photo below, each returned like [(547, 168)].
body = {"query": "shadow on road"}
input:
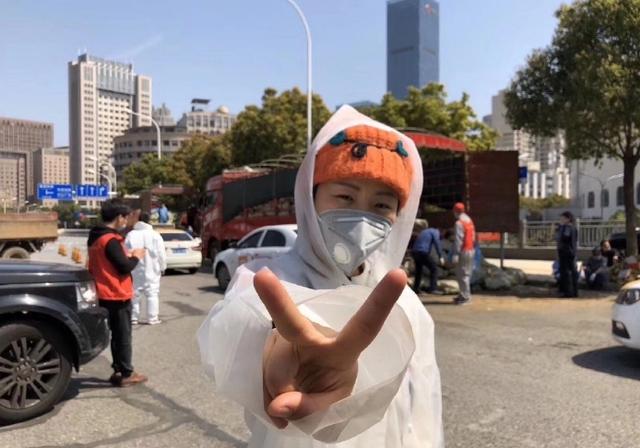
[(216, 289), (79, 384), (618, 361)]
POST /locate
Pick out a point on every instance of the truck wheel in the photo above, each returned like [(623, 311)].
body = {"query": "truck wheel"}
[(35, 369), (223, 276), (16, 252)]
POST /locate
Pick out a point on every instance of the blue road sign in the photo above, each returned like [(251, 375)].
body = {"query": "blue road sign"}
[(89, 191), (523, 173), (68, 192), (58, 192)]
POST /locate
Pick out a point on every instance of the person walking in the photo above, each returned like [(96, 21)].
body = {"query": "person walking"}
[(463, 252), (428, 240), (146, 275), (567, 246), (111, 267)]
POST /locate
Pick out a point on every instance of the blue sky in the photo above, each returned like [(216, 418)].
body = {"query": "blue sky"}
[(230, 50)]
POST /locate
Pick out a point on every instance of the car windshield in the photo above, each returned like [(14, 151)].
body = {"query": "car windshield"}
[(176, 236)]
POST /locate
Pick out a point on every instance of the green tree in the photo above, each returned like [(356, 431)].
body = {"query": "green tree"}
[(276, 128), (199, 158), (427, 108), (144, 173), (586, 83)]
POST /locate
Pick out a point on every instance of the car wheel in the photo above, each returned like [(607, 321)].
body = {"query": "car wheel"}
[(223, 276), (193, 270), (16, 252), (35, 369)]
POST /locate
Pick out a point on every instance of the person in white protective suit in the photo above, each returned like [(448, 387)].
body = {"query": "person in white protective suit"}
[(147, 274), (326, 346)]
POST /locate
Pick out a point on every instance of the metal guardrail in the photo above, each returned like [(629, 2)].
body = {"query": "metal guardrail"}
[(543, 233)]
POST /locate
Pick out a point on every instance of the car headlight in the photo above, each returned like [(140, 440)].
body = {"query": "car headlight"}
[(86, 295), (628, 297)]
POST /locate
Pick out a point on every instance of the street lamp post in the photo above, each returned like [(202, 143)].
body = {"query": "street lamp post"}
[(155, 124), (309, 88)]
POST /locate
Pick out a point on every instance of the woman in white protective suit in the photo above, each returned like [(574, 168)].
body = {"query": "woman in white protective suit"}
[(326, 346)]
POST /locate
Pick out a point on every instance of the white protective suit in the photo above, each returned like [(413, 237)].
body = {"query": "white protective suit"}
[(146, 275), (396, 401)]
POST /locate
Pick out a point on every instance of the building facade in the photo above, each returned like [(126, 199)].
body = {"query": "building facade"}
[(101, 93), (548, 172), (413, 44), (18, 139), (135, 143), (202, 121), (50, 166), (16, 176)]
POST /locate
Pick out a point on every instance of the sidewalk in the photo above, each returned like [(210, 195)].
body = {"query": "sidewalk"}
[(529, 267)]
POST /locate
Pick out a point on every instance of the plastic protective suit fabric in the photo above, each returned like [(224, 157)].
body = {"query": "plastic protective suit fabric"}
[(150, 268), (396, 401)]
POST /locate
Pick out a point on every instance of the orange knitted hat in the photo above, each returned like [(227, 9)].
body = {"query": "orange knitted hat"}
[(366, 152)]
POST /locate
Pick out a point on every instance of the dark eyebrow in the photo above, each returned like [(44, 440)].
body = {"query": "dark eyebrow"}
[(348, 185), (387, 193)]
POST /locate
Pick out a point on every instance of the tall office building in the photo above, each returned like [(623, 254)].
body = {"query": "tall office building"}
[(413, 44), (100, 94), (18, 139), (548, 172)]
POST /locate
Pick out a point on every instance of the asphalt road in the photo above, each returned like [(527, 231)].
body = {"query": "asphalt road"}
[(516, 373)]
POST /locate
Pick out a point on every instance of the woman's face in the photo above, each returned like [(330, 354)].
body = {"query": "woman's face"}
[(606, 246), (358, 194)]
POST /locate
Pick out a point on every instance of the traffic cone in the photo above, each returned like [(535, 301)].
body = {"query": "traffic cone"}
[(74, 254), (62, 250)]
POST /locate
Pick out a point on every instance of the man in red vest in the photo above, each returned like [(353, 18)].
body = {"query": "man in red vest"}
[(111, 267), (464, 252)]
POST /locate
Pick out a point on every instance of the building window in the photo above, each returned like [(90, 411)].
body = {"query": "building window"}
[(591, 200), (620, 196), (604, 200)]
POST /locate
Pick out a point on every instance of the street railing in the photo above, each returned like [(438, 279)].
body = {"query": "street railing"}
[(543, 233)]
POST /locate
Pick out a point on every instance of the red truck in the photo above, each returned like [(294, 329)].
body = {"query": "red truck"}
[(241, 200)]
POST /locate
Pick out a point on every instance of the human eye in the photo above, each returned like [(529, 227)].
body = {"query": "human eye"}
[(344, 197)]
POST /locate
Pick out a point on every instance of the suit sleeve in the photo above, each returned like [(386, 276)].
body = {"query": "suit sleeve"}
[(115, 254)]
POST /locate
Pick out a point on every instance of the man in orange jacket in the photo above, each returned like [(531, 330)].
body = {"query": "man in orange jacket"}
[(111, 267), (464, 252)]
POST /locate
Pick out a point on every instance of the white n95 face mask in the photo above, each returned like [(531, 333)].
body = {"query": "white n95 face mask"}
[(352, 235)]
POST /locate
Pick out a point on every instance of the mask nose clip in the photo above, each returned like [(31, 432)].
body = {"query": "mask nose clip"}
[(359, 150)]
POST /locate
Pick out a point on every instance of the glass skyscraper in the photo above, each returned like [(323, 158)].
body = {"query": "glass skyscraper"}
[(413, 44)]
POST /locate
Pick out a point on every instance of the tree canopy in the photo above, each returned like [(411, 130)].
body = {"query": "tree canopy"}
[(586, 84), (427, 108), (276, 128)]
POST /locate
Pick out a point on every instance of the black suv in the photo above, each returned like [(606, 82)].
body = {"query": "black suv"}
[(49, 321)]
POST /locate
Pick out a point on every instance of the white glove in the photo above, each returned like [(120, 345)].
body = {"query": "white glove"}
[(441, 261), (455, 259)]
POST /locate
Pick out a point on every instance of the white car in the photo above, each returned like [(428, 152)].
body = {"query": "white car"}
[(626, 316), (183, 250), (265, 242)]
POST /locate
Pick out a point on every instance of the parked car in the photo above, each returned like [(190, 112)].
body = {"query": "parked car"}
[(183, 250), (625, 324), (265, 242), (50, 321)]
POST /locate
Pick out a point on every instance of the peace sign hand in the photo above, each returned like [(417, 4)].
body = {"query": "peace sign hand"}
[(307, 367)]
